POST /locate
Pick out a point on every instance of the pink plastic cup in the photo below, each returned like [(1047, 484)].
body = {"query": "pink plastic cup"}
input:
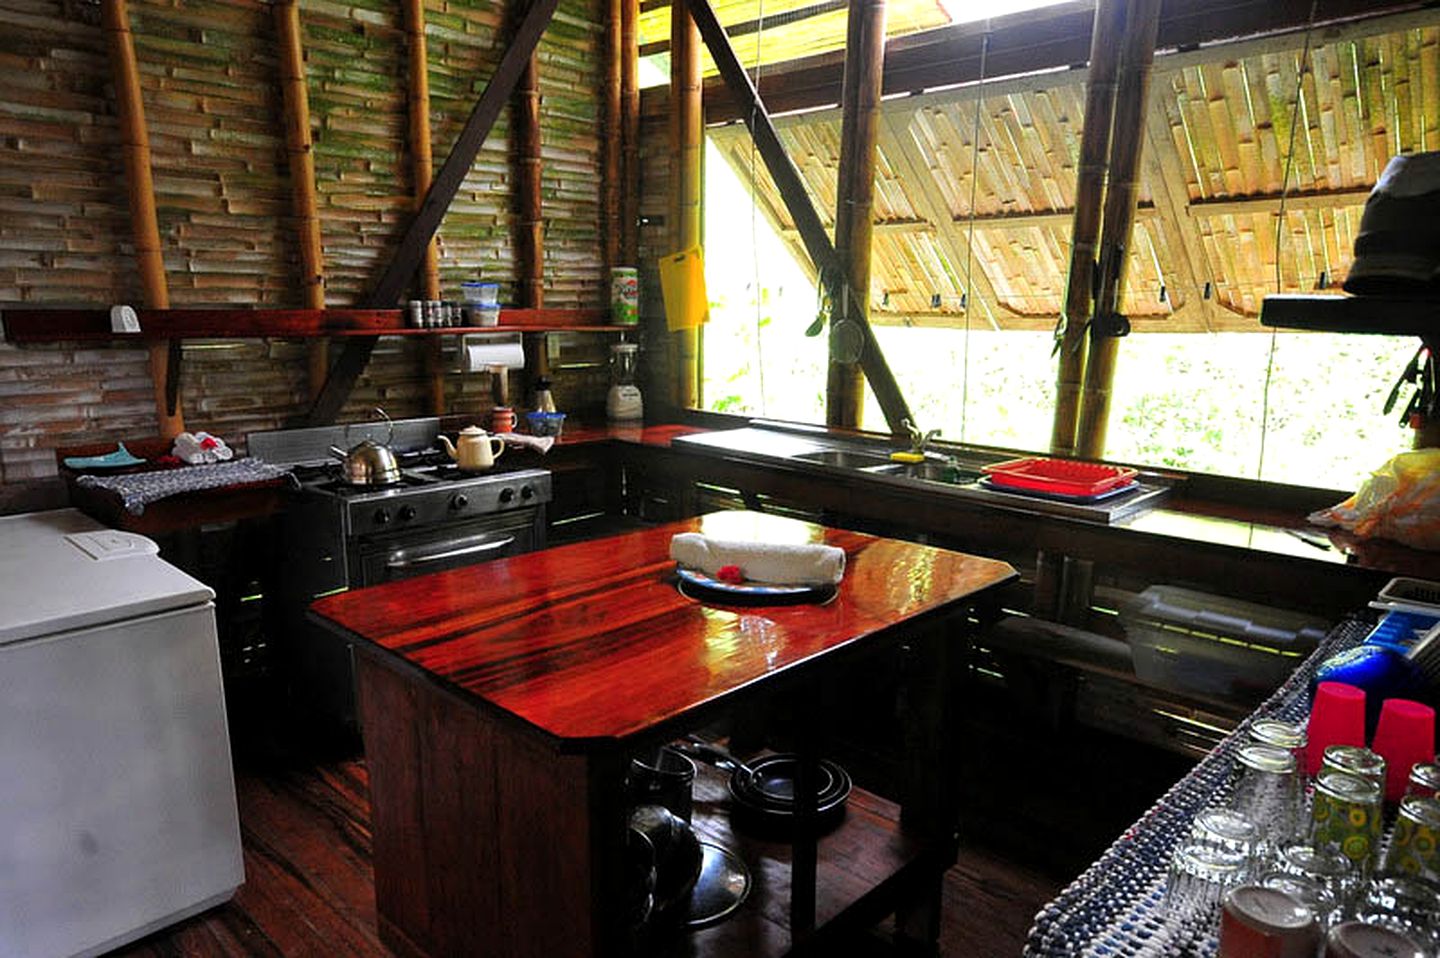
[(1404, 736), (1336, 718)]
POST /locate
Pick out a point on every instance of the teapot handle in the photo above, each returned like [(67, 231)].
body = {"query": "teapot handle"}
[(495, 451)]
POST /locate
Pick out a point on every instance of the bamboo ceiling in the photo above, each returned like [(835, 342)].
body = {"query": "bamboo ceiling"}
[(791, 29), (1217, 133)]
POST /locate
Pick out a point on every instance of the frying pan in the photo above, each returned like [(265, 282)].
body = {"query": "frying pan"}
[(763, 791)]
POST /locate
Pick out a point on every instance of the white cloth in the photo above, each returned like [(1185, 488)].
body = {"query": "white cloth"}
[(540, 444), (787, 563)]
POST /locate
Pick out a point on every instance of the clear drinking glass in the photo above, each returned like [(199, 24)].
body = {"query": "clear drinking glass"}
[(1228, 830), (1356, 761), (1324, 865), (1410, 906), (1199, 877), (1346, 817), (1307, 891), (1287, 735), (1268, 793)]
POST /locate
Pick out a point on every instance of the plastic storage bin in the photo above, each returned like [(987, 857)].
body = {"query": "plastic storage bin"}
[(1191, 641)]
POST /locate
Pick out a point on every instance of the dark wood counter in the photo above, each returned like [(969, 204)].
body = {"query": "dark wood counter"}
[(499, 703)]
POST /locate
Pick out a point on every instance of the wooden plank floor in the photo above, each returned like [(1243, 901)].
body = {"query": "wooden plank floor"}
[(309, 889)]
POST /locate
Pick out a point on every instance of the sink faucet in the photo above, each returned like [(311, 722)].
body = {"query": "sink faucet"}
[(918, 440)]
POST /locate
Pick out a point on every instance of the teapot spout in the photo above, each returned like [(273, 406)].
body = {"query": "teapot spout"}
[(449, 448)]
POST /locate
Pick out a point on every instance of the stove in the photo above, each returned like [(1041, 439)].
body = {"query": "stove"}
[(337, 536)]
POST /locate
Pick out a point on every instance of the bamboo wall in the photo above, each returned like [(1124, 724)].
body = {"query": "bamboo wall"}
[(213, 109)]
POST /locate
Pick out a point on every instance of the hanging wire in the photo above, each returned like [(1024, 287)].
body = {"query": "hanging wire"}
[(969, 300), (1304, 66), (755, 205)]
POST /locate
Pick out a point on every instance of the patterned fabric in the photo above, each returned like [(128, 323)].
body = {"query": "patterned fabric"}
[(140, 489)]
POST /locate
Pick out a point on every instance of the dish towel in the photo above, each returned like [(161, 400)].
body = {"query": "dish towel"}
[(540, 444), (788, 564), (138, 490)]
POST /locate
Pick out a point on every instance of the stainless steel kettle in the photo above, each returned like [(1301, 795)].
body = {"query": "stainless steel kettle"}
[(369, 463)]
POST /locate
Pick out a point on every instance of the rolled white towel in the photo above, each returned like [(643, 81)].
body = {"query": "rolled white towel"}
[(540, 444), (807, 564)]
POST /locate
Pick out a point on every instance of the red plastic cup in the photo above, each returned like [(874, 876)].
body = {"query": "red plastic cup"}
[(1404, 736), (1336, 718)]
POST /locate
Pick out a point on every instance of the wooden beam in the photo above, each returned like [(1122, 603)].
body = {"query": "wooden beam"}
[(687, 154), (797, 202), (1109, 26), (530, 217), (1308, 200), (855, 192), (1132, 100), (144, 223), (401, 267), (1035, 41), (300, 161)]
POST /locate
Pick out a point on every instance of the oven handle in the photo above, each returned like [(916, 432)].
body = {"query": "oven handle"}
[(399, 561)]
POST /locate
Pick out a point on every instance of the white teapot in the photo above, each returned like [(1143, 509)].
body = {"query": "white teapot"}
[(475, 450)]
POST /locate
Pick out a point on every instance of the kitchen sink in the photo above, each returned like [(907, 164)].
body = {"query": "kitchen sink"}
[(929, 471), (843, 459)]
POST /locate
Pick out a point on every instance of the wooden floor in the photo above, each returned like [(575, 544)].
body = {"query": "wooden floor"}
[(309, 890)]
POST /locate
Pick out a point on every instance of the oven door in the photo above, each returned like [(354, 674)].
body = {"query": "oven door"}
[(448, 547)]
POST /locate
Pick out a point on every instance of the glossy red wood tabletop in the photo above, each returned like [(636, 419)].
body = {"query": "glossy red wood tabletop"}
[(593, 640)]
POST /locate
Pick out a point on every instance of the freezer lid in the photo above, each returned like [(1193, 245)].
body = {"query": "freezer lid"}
[(62, 570)]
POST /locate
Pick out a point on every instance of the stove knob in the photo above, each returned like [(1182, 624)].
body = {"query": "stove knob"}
[(382, 517), (507, 494), (407, 513), (527, 492), (460, 501)]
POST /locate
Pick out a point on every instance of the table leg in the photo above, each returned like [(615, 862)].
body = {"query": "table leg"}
[(803, 854)]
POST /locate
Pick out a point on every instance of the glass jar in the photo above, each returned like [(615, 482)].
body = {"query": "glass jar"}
[(1346, 817)]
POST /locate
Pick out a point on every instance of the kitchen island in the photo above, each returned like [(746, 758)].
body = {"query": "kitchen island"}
[(501, 702)]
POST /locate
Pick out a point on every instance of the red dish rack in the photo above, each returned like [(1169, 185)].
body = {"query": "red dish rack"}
[(1064, 477)]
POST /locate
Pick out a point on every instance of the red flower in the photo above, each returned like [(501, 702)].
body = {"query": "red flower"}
[(730, 574)]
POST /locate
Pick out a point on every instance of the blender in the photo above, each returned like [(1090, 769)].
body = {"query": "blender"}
[(623, 401)]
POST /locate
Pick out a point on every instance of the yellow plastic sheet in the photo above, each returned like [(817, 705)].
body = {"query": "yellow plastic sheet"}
[(682, 283)]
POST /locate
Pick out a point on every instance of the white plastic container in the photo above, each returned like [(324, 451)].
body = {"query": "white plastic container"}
[(1212, 645)]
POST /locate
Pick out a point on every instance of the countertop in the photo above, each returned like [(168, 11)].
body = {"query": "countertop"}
[(593, 640)]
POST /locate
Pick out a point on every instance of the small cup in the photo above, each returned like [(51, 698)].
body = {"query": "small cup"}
[(1357, 761), (665, 777), (1319, 864), (1228, 830), (1287, 735), (1405, 905), (1336, 718), (1314, 895), (1413, 845), (1355, 939), (502, 419), (1259, 922), (1199, 876), (1404, 736), (1268, 792), (1346, 817), (1424, 780)]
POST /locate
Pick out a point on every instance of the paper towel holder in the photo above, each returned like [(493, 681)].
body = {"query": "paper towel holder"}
[(510, 345)]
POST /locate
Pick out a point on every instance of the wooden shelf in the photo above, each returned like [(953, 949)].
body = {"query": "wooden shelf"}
[(25, 325), (859, 863), (1373, 315)]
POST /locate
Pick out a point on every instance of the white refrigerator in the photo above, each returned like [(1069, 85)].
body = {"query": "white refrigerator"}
[(117, 798)]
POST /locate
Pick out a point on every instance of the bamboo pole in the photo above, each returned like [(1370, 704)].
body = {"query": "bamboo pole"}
[(1127, 141), (300, 155), (612, 132), (855, 190), (144, 223), (686, 157), (630, 132), (530, 219), (423, 167), (1085, 225)]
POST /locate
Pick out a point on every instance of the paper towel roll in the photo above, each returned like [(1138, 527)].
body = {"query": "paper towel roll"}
[(477, 357)]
